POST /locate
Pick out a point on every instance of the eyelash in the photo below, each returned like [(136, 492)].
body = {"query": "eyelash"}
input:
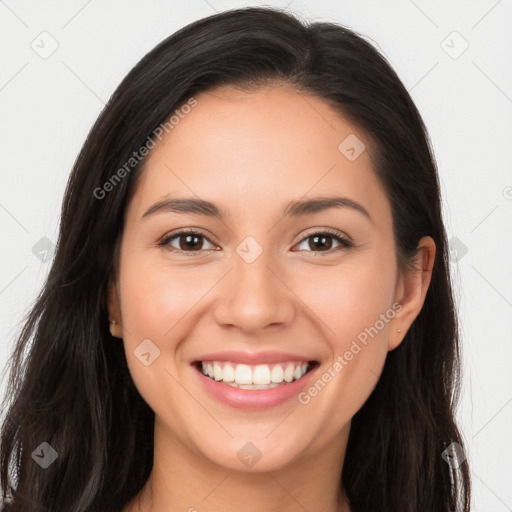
[(336, 235)]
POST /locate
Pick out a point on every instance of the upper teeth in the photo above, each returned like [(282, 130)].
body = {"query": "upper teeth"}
[(260, 374)]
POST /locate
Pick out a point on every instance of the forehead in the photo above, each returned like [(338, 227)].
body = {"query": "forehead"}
[(250, 149)]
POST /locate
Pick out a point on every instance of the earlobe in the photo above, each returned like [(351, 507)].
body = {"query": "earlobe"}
[(114, 311), (412, 290)]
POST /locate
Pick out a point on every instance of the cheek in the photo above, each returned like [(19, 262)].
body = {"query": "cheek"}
[(157, 307), (160, 307), (349, 298), (353, 303), (156, 297)]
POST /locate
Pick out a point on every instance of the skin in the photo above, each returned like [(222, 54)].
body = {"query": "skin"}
[(251, 154)]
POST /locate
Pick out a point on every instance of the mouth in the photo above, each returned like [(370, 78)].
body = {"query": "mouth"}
[(255, 377)]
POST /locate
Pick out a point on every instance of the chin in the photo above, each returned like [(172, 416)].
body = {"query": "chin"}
[(254, 454)]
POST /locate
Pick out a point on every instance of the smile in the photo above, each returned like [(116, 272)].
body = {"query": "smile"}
[(253, 387), (257, 377)]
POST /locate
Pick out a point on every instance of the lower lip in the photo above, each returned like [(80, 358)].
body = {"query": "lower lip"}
[(254, 398)]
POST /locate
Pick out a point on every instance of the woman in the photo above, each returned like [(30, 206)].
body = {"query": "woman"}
[(190, 350)]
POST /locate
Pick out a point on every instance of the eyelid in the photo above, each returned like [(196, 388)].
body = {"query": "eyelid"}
[(164, 241), (335, 233), (344, 240)]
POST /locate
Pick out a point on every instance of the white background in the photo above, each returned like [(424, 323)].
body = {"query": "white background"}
[(48, 106)]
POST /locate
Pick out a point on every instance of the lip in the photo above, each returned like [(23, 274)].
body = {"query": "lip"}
[(257, 398), (252, 359)]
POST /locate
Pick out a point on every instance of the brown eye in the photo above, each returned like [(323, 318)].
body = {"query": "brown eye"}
[(190, 242), (187, 242), (323, 242)]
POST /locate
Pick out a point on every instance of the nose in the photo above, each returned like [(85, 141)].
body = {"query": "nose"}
[(254, 296)]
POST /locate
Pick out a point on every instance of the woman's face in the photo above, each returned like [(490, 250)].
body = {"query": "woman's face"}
[(263, 285)]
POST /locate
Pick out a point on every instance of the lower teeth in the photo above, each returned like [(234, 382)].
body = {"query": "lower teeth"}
[(252, 386)]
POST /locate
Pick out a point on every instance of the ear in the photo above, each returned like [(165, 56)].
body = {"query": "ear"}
[(114, 309), (411, 290)]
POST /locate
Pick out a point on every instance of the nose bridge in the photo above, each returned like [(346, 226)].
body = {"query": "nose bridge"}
[(253, 296)]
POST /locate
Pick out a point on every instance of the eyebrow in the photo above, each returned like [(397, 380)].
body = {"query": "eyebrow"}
[(294, 209)]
